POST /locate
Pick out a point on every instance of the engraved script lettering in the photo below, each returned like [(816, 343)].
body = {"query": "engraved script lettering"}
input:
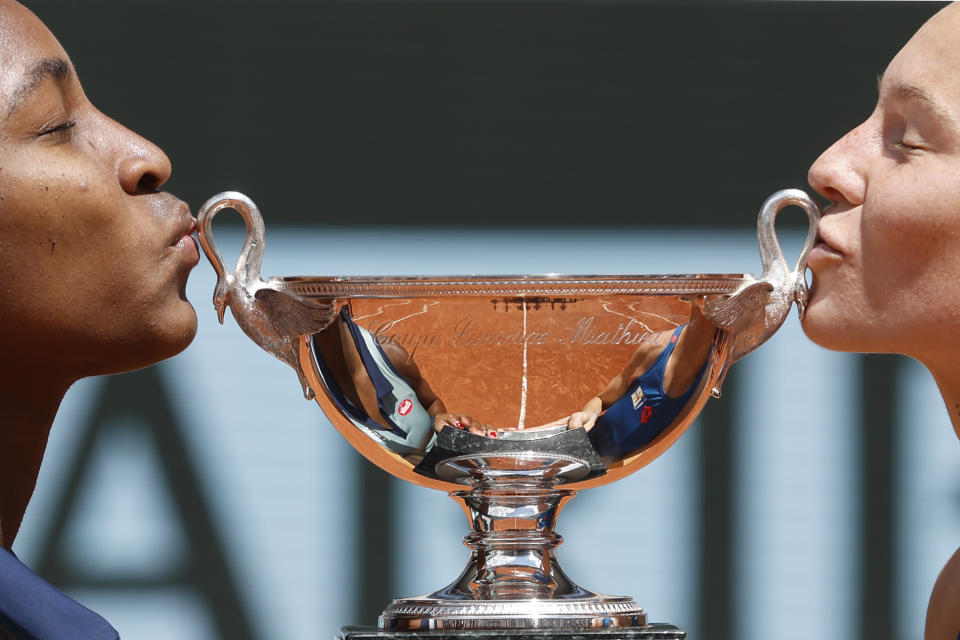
[(467, 334), (585, 333), (411, 342)]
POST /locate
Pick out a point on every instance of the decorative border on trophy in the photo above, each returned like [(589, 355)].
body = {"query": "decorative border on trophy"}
[(519, 608), (422, 287)]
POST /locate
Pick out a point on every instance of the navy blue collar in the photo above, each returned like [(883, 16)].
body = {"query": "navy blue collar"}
[(32, 609)]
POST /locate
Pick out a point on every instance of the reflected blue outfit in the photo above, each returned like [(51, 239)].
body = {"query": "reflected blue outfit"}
[(644, 411), (32, 609), (410, 427)]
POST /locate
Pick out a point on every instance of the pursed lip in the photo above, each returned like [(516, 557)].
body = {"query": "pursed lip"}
[(825, 243), (182, 241), (186, 225)]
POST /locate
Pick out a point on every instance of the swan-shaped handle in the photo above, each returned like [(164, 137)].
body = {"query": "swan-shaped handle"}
[(755, 312), (774, 263), (246, 273), (272, 318)]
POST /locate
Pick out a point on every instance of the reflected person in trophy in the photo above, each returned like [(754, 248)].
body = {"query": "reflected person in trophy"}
[(379, 385), (885, 268), (654, 387), (94, 260)]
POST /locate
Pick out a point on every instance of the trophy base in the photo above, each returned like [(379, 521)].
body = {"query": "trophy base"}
[(653, 631), (513, 580), (579, 610)]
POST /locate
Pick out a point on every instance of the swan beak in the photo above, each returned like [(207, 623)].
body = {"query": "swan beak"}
[(802, 296), (221, 307)]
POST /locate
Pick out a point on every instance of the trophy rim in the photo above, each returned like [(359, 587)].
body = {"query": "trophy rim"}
[(550, 284)]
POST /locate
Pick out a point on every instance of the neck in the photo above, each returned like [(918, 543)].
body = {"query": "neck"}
[(30, 404), (948, 381)]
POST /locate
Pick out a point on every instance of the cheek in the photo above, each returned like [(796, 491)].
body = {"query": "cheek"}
[(911, 235), (83, 271), (63, 252), (899, 288)]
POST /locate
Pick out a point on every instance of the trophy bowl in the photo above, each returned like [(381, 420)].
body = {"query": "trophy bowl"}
[(511, 393)]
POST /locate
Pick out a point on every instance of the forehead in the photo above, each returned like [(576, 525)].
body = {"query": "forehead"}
[(931, 59), (24, 41)]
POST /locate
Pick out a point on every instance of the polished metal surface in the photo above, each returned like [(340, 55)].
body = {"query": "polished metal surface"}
[(513, 579), (510, 392), (650, 631), (270, 317)]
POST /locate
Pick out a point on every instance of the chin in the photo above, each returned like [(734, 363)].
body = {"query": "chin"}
[(179, 332), (832, 329), (830, 325), (829, 339), (841, 328), (163, 339)]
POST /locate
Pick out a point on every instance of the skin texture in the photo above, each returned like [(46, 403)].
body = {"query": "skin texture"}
[(94, 258), (886, 269)]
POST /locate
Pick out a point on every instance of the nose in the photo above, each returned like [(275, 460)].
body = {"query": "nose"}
[(839, 174), (142, 166)]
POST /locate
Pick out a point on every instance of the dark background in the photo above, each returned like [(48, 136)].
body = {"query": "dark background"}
[(678, 114), (477, 113)]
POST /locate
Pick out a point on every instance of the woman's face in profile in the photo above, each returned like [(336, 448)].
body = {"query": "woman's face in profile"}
[(93, 258), (887, 269)]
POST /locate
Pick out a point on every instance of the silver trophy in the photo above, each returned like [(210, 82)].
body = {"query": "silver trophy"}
[(511, 393)]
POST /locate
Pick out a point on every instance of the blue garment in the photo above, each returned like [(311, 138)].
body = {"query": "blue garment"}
[(644, 411), (32, 609), (396, 399), (410, 429)]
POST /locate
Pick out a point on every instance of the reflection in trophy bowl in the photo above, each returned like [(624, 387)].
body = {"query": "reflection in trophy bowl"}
[(512, 386), (593, 354)]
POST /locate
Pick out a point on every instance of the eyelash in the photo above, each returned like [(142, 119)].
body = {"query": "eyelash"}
[(59, 133), (903, 147)]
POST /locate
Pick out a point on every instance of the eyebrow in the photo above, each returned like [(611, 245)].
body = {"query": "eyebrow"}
[(56, 69), (918, 94)]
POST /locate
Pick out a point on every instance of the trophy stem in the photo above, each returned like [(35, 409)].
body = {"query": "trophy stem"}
[(513, 579), (513, 544)]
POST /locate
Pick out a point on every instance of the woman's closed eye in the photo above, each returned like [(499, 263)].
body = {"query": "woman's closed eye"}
[(907, 147), (905, 141), (58, 133)]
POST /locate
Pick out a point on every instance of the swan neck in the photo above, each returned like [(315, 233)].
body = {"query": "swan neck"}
[(250, 259), (771, 255), (247, 270), (770, 251)]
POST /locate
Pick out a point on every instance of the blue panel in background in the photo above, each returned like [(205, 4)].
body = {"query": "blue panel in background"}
[(796, 491), (927, 501)]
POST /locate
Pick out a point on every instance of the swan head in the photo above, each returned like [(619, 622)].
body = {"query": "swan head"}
[(221, 297)]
